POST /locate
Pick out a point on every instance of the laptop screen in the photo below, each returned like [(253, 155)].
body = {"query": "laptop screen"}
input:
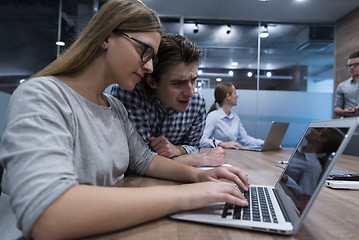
[(309, 162)]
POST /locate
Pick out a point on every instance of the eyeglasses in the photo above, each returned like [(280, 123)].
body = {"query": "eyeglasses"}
[(148, 52), (352, 65)]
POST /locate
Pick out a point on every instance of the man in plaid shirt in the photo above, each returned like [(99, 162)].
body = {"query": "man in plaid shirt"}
[(166, 110)]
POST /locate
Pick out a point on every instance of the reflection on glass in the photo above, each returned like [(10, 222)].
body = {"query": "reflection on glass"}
[(309, 162)]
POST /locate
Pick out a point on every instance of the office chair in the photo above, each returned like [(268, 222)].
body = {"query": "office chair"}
[(1, 172)]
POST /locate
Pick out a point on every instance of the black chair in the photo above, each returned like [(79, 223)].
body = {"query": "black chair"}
[(1, 172)]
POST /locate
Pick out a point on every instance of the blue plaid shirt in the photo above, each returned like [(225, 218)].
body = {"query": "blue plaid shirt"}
[(153, 120)]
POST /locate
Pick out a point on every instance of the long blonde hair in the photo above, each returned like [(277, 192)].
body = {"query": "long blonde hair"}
[(220, 93), (125, 15)]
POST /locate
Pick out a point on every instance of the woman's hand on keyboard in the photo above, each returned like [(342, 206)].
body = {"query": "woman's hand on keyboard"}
[(198, 195), (232, 174)]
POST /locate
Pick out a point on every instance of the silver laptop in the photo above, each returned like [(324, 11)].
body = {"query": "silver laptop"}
[(274, 138), (295, 191)]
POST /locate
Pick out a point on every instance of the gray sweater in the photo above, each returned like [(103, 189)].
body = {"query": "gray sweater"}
[(54, 139)]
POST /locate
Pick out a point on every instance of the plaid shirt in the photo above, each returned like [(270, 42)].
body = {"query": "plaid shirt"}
[(153, 120)]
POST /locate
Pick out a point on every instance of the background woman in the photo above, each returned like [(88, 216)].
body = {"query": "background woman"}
[(223, 126)]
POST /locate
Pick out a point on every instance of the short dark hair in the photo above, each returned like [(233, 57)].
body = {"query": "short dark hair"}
[(173, 49), (354, 55)]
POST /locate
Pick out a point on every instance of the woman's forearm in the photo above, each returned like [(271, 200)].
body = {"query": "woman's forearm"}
[(87, 210), (170, 169)]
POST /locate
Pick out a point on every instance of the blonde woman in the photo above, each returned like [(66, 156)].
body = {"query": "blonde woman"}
[(65, 142), (223, 127)]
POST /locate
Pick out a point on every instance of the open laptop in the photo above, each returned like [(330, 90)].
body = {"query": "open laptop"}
[(290, 199), (274, 138)]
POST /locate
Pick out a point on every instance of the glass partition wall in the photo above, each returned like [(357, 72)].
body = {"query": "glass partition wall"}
[(282, 71), (288, 57)]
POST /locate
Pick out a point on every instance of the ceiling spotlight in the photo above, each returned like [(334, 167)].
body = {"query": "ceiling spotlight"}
[(60, 43), (228, 29), (196, 29), (264, 33)]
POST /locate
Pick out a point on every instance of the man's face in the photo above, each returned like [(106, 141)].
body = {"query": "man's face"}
[(353, 69), (176, 86), (233, 97)]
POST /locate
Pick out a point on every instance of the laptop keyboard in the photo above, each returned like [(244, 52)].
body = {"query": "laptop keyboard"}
[(260, 207)]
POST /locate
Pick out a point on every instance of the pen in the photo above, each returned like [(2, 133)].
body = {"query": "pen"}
[(214, 142), (283, 162)]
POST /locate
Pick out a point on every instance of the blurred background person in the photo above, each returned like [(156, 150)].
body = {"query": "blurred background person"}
[(223, 127), (347, 93)]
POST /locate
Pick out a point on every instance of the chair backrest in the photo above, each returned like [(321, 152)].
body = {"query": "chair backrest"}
[(1, 171)]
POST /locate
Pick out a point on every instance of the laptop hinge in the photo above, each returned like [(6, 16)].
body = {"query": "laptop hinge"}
[(286, 216)]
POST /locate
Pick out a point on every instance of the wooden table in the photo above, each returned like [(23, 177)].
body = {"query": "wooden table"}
[(334, 215)]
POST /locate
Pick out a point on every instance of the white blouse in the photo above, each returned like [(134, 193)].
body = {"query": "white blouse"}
[(224, 128)]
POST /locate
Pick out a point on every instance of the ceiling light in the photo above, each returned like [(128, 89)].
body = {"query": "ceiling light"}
[(60, 43), (249, 74), (264, 33), (196, 29), (219, 79), (228, 29), (234, 63), (215, 75), (200, 72), (268, 74), (230, 73)]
